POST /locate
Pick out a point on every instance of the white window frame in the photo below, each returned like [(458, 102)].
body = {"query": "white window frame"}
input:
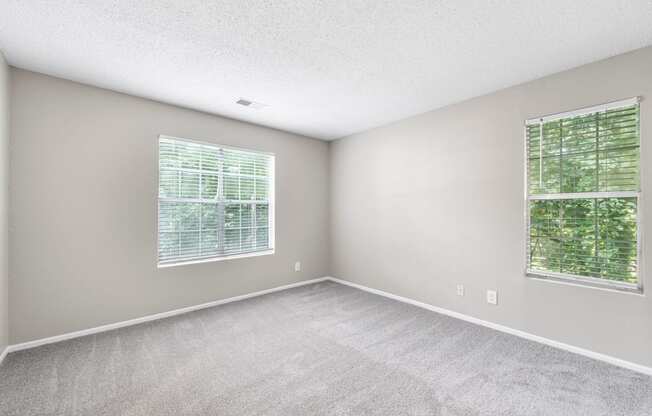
[(571, 278), (271, 205)]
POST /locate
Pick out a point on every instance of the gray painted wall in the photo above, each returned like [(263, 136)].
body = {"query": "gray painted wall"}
[(4, 203), (438, 199), (84, 187), (416, 207)]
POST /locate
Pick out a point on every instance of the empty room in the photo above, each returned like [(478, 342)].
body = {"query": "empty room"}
[(350, 208)]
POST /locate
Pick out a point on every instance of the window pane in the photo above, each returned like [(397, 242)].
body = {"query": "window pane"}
[(262, 165), (231, 188), (585, 237), (168, 183), (578, 237), (579, 173), (262, 189), (232, 240), (231, 163), (167, 154), (246, 215), (545, 254), (545, 235), (617, 231), (262, 238), (168, 245), (619, 128), (210, 159), (178, 216), (189, 244), (551, 175), (188, 216), (210, 216), (246, 189), (188, 155), (201, 193), (209, 242), (262, 212), (209, 186), (247, 164), (619, 169), (598, 152), (551, 153), (248, 242), (545, 218), (167, 216), (189, 185), (232, 216)]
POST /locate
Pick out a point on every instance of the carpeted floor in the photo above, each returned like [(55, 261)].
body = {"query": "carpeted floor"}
[(323, 349)]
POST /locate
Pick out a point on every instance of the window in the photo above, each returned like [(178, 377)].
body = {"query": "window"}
[(583, 195), (213, 202)]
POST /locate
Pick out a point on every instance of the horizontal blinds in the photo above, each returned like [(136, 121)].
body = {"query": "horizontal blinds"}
[(597, 152), (587, 110), (583, 182), (585, 237), (213, 201)]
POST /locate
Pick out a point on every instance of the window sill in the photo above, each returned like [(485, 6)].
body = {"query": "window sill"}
[(213, 259), (569, 280)]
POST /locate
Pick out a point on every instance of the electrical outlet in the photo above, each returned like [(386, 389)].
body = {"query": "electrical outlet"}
[(297, 266), (460, 290), (492, 297)]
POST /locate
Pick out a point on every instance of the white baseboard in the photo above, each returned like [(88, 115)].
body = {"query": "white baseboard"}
[(116, 325), (3, 354), (570, 348), (577, 350)]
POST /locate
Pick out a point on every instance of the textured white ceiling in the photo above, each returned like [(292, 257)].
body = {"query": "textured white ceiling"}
[(325, 69)]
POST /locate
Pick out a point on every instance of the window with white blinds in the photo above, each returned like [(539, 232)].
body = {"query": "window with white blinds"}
[(583, 195), (214, 202)]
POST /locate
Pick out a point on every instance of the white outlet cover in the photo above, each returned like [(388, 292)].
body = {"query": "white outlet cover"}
[(297, 266), (492, 297), (460, 290)]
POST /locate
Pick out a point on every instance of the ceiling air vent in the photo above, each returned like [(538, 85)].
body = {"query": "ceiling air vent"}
[(250, 104)]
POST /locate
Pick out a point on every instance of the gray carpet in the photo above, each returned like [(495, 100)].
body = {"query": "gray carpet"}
[(323, 349)]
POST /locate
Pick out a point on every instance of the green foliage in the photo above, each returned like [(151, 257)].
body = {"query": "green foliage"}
[(585, 237), (597, 152), (212, 201), (595, 237)]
